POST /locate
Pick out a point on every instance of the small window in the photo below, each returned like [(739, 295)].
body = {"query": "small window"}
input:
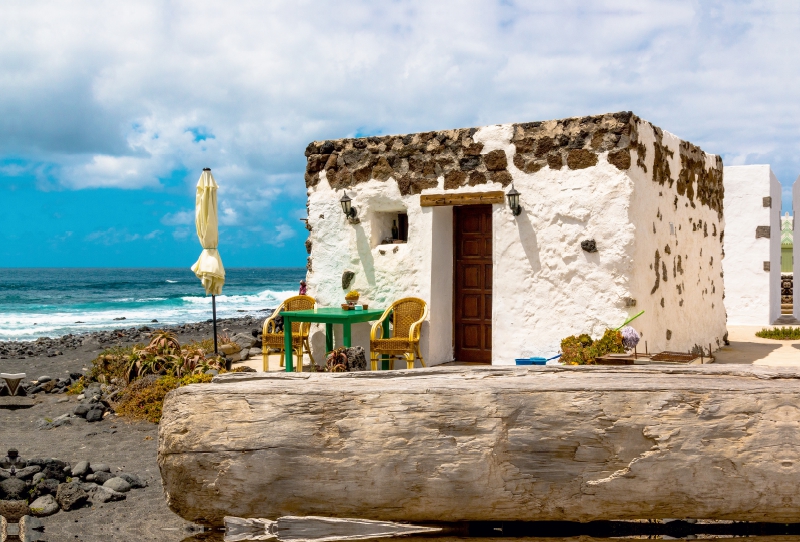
[(389, 227), (402, 226)]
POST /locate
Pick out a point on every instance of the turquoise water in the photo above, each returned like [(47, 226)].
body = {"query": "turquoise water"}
[(54, 302)]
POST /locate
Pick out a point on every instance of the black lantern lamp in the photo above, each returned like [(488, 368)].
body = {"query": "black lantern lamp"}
[(513, 201), (348, 209)]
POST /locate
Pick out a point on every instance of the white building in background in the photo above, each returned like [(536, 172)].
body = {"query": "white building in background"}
[(795, 247), (752, 243), (616, 216)]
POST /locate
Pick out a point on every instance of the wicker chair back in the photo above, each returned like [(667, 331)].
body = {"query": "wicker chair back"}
[(406, 312)]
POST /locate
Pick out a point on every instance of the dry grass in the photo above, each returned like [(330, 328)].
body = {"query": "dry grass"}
[(143, 399)]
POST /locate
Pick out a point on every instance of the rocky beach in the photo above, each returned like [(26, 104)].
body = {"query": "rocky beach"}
[(79, 431)]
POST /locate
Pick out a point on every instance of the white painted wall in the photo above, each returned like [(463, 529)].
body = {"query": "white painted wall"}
[(383, 273), (545, 286), (796, 245), (749, 298), (441, 303), (775, 248), (690, 251)]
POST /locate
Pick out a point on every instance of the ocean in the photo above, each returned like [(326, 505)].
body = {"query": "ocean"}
[(52, 302)]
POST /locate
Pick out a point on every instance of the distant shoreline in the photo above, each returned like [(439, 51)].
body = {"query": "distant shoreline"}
[(57, 346), (52, 302)]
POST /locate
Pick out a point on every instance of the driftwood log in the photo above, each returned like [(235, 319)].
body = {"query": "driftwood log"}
[(482, 444)]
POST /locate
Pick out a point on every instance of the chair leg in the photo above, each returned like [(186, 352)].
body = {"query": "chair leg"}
[(421, 359), (409, 360), (282, 354), (265, 358), (373, 361), (299, 353)]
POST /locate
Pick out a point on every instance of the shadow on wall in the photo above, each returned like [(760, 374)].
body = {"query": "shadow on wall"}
[(365, 254), (530, 244)]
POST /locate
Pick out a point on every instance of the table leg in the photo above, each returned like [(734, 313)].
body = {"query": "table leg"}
[(385, 359), (287, 345), (346, 334), (328, 338)]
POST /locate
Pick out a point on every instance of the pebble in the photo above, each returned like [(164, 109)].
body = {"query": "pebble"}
[(133, 480), (47, 486), (101, 478), (70, 496), (100, 467), (103, 494), (95, 414), (81, 468), (44, 506), (118, 484)]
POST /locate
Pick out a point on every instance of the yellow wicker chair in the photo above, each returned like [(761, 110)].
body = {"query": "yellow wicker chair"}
[(407, 317), (271, 339)]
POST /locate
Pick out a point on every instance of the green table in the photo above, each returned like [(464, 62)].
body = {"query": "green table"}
[(327, 316)]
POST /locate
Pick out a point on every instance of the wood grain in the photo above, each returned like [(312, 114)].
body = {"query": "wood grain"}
[(494, 443), (464, 198)]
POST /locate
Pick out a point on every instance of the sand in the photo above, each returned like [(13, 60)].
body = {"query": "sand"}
[(747, 349)]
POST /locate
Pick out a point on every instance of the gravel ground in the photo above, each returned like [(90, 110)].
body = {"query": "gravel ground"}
[(125, 445)]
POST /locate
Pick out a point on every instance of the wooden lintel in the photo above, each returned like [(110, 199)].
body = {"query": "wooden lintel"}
[(464, 198)]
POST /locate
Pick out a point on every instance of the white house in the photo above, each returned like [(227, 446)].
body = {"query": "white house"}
[(752, 263), (616, 216)]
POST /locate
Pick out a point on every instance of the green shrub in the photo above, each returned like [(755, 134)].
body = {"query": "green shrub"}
[(149, 372), (76, 388), (582, 350), (780, 333)]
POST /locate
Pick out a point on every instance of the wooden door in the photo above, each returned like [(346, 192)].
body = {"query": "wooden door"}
[(473, 282)]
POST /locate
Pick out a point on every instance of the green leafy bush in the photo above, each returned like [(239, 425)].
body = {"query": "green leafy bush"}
[(780, 333), (582, 350)]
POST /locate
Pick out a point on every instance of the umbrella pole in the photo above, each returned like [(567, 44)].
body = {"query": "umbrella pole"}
[(214, 313)]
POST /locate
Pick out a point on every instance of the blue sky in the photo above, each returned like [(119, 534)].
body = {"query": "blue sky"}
[(109, 111)]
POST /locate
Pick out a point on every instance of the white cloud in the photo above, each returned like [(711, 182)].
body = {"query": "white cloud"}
[(153, 234), (132, 86), (178, 218), (112, 236), (284, 232), (180, 234), (228, 216)]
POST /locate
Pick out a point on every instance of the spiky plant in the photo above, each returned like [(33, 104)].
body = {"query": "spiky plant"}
[(163, 341)]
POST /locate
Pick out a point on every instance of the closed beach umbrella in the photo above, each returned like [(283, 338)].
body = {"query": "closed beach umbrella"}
[(208, 267)]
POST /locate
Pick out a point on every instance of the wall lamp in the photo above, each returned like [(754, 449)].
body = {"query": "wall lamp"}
[(349, 211), (513, 201)]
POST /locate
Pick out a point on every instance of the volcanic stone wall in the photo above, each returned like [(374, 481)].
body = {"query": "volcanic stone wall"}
[(416, 161)]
